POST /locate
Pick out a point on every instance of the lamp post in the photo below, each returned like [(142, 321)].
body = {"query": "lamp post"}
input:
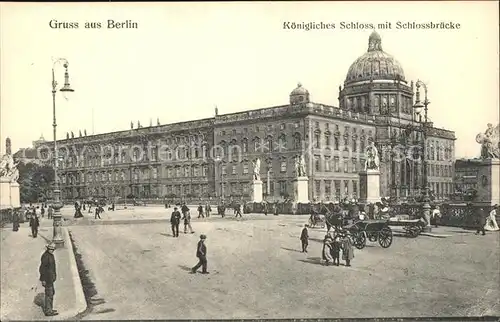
[(57, 204), (426, 208)]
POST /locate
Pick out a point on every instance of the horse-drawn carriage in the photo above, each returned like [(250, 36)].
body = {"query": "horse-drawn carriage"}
[(371, 230)]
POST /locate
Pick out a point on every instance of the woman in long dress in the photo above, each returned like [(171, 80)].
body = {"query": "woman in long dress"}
[(491, 221)]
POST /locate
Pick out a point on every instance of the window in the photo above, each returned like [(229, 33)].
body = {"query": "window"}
[(337, 188), (354, 165), (346, 143), (328, 164), (346, 188), (257, 146), (328, 187), (336, 164), (234, 131), (283, 166), (196, 171), (336, 143), (282, 126), (317, 166), (362, 144), (297, 124), (317, 143), (245, 146), (223, 169), (233, 170), (245, 168), (205, 170), (296, 142), (328, 140), (346, 166), (186, 172), (282, 188), (317, 187), (355, 189), (354, 145), (269, 144)]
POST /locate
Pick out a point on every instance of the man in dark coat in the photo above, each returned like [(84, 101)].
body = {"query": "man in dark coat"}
[(304, 238), (481, 221), (48, 277), (15, 220), (201, 253), (34, 223), (175, 220)]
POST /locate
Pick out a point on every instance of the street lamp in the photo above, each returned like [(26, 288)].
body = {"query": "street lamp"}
[(57, 204), (217, 160), (418, 107)]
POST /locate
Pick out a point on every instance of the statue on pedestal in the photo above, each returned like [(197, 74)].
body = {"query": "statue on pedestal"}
[(300, 166), (490, 143), (372, 158), (256, 169), (8, 169)]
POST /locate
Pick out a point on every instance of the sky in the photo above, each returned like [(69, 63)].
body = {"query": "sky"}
[(186, 58)]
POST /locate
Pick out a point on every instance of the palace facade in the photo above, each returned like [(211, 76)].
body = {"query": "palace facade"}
[(213, 157)]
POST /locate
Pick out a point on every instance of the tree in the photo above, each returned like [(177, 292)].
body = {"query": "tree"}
[(35, 181)]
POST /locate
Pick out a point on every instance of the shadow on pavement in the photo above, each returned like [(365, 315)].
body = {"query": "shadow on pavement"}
[(312, 260), (291, 250), (39, 299), (185, 268), (166, 235)]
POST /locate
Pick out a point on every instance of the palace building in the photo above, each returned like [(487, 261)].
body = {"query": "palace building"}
[(213, 157)]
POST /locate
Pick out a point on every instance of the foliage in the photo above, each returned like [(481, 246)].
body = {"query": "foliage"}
[(35, 181)]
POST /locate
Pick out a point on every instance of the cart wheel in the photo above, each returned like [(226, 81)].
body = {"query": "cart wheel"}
[(414, 231), (359, 239), (385, 237)]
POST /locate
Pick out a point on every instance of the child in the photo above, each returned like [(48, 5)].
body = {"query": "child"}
[(336, 246), (347, 249), (304, 238)]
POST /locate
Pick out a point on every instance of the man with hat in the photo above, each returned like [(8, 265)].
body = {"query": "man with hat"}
[(175, 220), (347, 249), (48, 277), (201, 253)]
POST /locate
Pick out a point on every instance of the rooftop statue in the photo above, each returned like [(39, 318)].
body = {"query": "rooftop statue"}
[(490, 143)]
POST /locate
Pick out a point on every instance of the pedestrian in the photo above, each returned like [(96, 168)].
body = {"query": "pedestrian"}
[(336, 246), (42, 211), (265, 208), (327, 250), (97, 213), (276, 209), (187, 222), (208, 209), (200, 212), (175, 220), (304, 238), (113, 206), (48, 277), (237, 209), (436, 215), (34, 224), (347, 249), (15, 220), (50, 212), (481, 221), (84, 206), (201, 253)]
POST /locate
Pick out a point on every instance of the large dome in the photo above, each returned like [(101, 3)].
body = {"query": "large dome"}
[(375, 64)]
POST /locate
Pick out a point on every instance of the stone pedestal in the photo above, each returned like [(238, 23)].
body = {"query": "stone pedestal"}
[(488, 187), (15, 195), (257, 191), (369, 186), (9, 194), (301, 190)]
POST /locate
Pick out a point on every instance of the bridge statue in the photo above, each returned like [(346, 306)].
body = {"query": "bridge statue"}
[(372, 158), (490, 143), (300, 166), (256, 169)]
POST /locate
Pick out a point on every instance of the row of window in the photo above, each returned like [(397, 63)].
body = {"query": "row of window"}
[(268, 127)]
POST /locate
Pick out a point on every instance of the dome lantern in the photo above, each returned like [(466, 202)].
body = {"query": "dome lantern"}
[(299, 95)]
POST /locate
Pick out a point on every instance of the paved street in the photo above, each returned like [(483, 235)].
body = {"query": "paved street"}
[(141, 272)]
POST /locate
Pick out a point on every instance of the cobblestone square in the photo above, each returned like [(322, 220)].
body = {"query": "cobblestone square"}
[(141, 272)]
